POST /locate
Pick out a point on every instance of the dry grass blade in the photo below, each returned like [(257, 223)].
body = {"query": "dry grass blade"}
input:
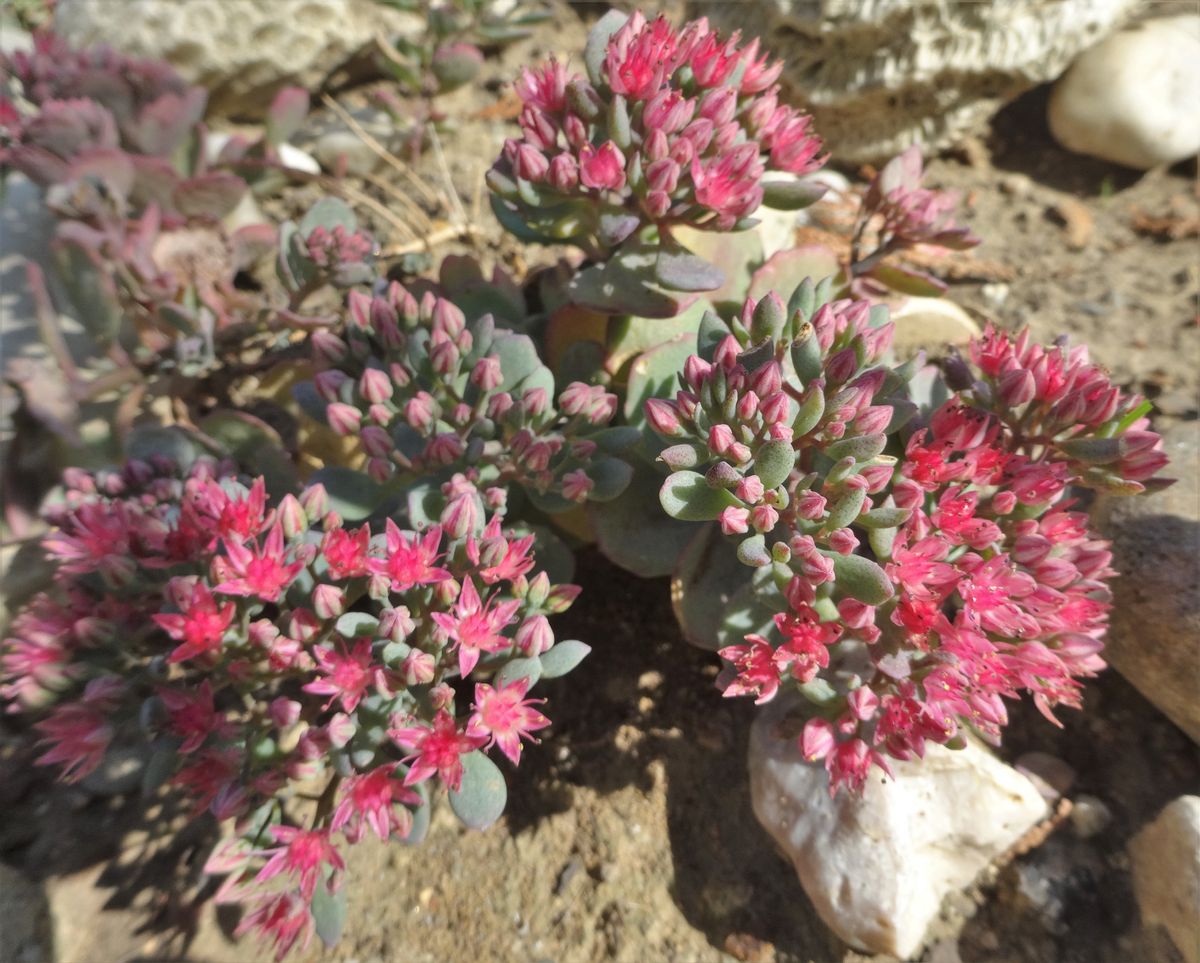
[(386, 155), (449, 233)]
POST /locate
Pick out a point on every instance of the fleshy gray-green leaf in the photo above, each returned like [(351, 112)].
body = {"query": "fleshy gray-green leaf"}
[(480, 799)]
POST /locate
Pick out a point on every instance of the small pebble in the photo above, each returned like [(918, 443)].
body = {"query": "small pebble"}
[(1089, 817)]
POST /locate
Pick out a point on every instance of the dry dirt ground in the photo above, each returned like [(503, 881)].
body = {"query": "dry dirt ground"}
[(629, 834)]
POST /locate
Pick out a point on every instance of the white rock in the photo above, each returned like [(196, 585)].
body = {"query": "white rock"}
[(1132, 98), (1166, 873), (877, 867), (243, 51), (778, 228), (930, 324), (881, 75)]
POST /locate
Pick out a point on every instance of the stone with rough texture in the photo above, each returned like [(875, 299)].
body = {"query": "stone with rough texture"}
[(1131, 99), (882, 75), (930, 324), (877, 867), (243, 51), (23, 929), (1154, 631), (1166, 873)]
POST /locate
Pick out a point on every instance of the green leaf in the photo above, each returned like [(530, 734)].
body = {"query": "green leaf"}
[(149, 440), (881, 541), (633, 531), (355, 624), (329, 913), (517, 669), (329, 213), (774, 462), (791, 195), (480, 799), (255, 445), (861, 447), (652, 375), (753, 551), (562, 657), (596, 48), (686, 496), (810, 413), (678, 269), (862, 579), (845, 510), (706, 578), (908, 281), (887, 516), (625, 285), (611, 477), (351, 493), (736, 255)]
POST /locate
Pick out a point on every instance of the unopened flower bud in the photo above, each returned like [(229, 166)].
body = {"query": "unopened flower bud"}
[(534, 636)]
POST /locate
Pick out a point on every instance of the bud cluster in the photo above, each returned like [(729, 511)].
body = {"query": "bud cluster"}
[(915, 584), (425, 391), (268, 655), (668, 128)]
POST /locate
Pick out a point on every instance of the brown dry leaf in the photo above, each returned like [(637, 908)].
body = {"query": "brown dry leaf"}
[(1181, 221), (507, 107), (1075, 217)]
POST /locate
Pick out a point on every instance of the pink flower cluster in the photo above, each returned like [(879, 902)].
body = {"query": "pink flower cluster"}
[(955, 568), (675, 127), (423, 390), (276, 650)]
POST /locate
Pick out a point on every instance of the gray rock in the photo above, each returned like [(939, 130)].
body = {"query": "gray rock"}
[(1131, 99), (1154, 634), (882, 75), (877, 867), (243, 51), (1166, 873), (24, 933)]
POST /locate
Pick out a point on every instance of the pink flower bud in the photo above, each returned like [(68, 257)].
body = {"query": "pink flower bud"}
[(343, 419), (564, 173), (379, 470), (664, 418), (463, 515), (418, 411), (719, 105), (284, 712), (329, 383), (444, 357), (528, 162), (292, 516), (817, 740), (747, 406), (499, 405), (375, 386), (1003, 502), (534, 636), (442, 696), (720, 439), (749, 489), (376, 442), (1017, 387), (340, 730), (735, 521), (863, 702), (315, 501), (418, 668), (663, 175), (576, 485), (764, 518), (534, 401), (843, 541), (775, 408), (328, 347), (655, 146), (486, 374), (602, 168), (396, 624)]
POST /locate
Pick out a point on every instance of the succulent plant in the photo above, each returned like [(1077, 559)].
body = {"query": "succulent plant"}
[(260, 651), (907, 566), (668, 129)]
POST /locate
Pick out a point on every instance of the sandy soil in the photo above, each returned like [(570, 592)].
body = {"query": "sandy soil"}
[(629, 834)]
